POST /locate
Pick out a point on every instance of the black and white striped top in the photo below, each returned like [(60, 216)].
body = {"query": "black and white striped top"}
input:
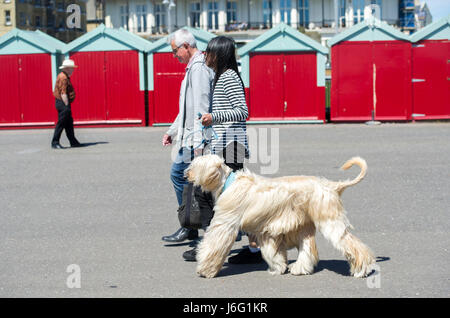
[(229, 112)]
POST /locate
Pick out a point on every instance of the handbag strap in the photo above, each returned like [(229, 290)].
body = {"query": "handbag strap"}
[(187, 216)]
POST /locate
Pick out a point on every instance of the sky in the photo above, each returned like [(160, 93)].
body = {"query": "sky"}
[(438, 8)]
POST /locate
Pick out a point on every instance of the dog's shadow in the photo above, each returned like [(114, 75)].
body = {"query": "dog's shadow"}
[(237, 269), (340, 267)]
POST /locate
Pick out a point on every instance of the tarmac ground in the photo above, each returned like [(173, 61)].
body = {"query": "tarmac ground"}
[(88, 222)]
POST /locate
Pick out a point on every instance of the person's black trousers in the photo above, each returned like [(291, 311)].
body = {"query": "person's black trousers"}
[(65, 122)]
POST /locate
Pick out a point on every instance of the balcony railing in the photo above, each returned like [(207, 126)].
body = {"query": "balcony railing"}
[(407, 4), (255, 25)]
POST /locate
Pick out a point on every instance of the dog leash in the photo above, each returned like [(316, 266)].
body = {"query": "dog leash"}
[(205, 140), (204, 128)]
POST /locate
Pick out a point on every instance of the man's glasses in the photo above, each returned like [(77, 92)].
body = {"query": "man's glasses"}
[(175, 50)]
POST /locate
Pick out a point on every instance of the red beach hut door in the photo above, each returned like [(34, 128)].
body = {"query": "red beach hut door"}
[(393, 80), (35, 81), (431, 79), (283, 86), (122, 96), (10, 109), (89, 84), (266, 86), (300, 86), (352, 81), (168, 75)]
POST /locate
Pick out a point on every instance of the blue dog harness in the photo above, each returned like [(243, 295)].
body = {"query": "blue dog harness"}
[(230, 179)]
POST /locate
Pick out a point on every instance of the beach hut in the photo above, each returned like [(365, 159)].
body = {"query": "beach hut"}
[(431, 71), (110, 78), (370, 73), (283, 72), (165, 74), (28, 68)]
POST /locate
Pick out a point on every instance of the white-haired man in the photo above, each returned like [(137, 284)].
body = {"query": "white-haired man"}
[(195, 97)]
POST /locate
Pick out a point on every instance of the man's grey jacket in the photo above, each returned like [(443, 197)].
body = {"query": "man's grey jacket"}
[(196, 89)]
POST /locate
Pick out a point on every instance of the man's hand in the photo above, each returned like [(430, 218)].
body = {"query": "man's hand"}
[(207, 120), (198, 152), (167, 140)]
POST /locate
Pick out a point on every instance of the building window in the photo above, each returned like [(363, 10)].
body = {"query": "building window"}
[(358, 5), (231, 11), (342, 9), (267, 13), (285, 11), (8, 17), (37, 3), (61, 27), (124, 17), (195, 14), (37, 21), (213, 15), (141, 13), (303, 11), (50, 20), (376, 2), (160, 16), (22, 19), (60, 6)]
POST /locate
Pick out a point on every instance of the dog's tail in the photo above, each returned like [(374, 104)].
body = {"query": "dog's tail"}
[(360, 162)]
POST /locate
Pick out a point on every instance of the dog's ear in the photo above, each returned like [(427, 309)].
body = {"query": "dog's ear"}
[(211, 178), (212, 175)]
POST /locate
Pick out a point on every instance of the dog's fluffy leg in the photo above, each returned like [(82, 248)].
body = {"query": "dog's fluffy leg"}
[(308, 256), (274, 253), (357, 253), (217, 242)]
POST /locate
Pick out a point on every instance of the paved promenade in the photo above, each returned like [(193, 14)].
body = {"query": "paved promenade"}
[(101, 210)]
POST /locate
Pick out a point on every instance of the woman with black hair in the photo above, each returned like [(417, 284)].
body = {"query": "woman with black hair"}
[(228, 118)]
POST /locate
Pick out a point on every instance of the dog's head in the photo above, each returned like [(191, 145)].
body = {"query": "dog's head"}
[(207, 171)]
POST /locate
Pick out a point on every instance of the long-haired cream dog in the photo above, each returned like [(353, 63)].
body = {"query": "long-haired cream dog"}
[(283, 213)]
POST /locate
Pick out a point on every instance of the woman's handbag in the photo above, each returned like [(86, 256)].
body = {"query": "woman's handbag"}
[(189, 213)]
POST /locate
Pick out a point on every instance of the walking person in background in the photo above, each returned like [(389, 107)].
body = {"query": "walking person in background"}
[(228, 119), (64, 96), (195, 97)]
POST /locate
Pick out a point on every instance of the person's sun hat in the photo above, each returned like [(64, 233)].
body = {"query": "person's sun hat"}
[(67, 63)]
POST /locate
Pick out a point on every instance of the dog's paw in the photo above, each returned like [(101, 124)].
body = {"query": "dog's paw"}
[(279, 270), (206, 273), (299, 269), (363, 271)]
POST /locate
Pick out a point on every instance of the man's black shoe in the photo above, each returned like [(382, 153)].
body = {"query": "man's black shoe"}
[(77, 145), (181, 235), (57, 146), (190, 255)]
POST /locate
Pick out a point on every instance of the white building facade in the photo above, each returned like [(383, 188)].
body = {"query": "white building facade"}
[(162, 16)]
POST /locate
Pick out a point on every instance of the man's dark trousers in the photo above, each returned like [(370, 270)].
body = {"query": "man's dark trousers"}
[(65, 121)]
